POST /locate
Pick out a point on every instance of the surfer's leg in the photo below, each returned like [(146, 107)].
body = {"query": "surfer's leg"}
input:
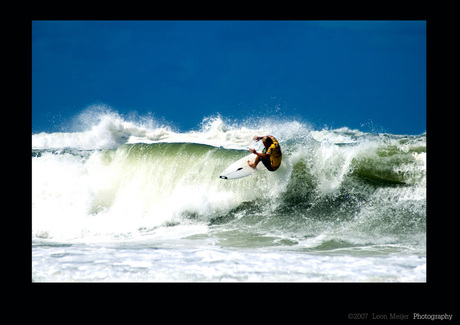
[(267, 164)]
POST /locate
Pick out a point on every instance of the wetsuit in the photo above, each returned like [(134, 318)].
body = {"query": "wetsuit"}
[(274, 160)]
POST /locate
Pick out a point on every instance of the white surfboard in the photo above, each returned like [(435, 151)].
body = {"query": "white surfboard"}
[(240, 168)]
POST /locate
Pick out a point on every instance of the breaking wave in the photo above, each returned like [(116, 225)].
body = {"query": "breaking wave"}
[(121, 178)]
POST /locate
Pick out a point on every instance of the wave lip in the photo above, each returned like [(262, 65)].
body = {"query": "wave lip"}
[(98, 127)]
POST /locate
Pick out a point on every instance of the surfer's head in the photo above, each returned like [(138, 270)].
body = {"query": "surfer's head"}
[(267, 141)]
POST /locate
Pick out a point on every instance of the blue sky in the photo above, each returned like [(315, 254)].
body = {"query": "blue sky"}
[(368, 75)]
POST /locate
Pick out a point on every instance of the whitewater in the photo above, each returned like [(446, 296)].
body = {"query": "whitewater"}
[(119, 198)]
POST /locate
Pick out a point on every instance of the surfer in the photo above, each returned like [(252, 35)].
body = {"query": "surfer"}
[(270, 156)]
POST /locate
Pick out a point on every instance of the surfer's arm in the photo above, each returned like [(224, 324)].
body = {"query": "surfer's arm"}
[(261, 155), (256, 138)]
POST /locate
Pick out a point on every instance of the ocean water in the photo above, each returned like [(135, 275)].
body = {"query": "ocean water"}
[(132, 200)]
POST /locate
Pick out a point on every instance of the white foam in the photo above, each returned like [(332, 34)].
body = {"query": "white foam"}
[(98, 127)]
